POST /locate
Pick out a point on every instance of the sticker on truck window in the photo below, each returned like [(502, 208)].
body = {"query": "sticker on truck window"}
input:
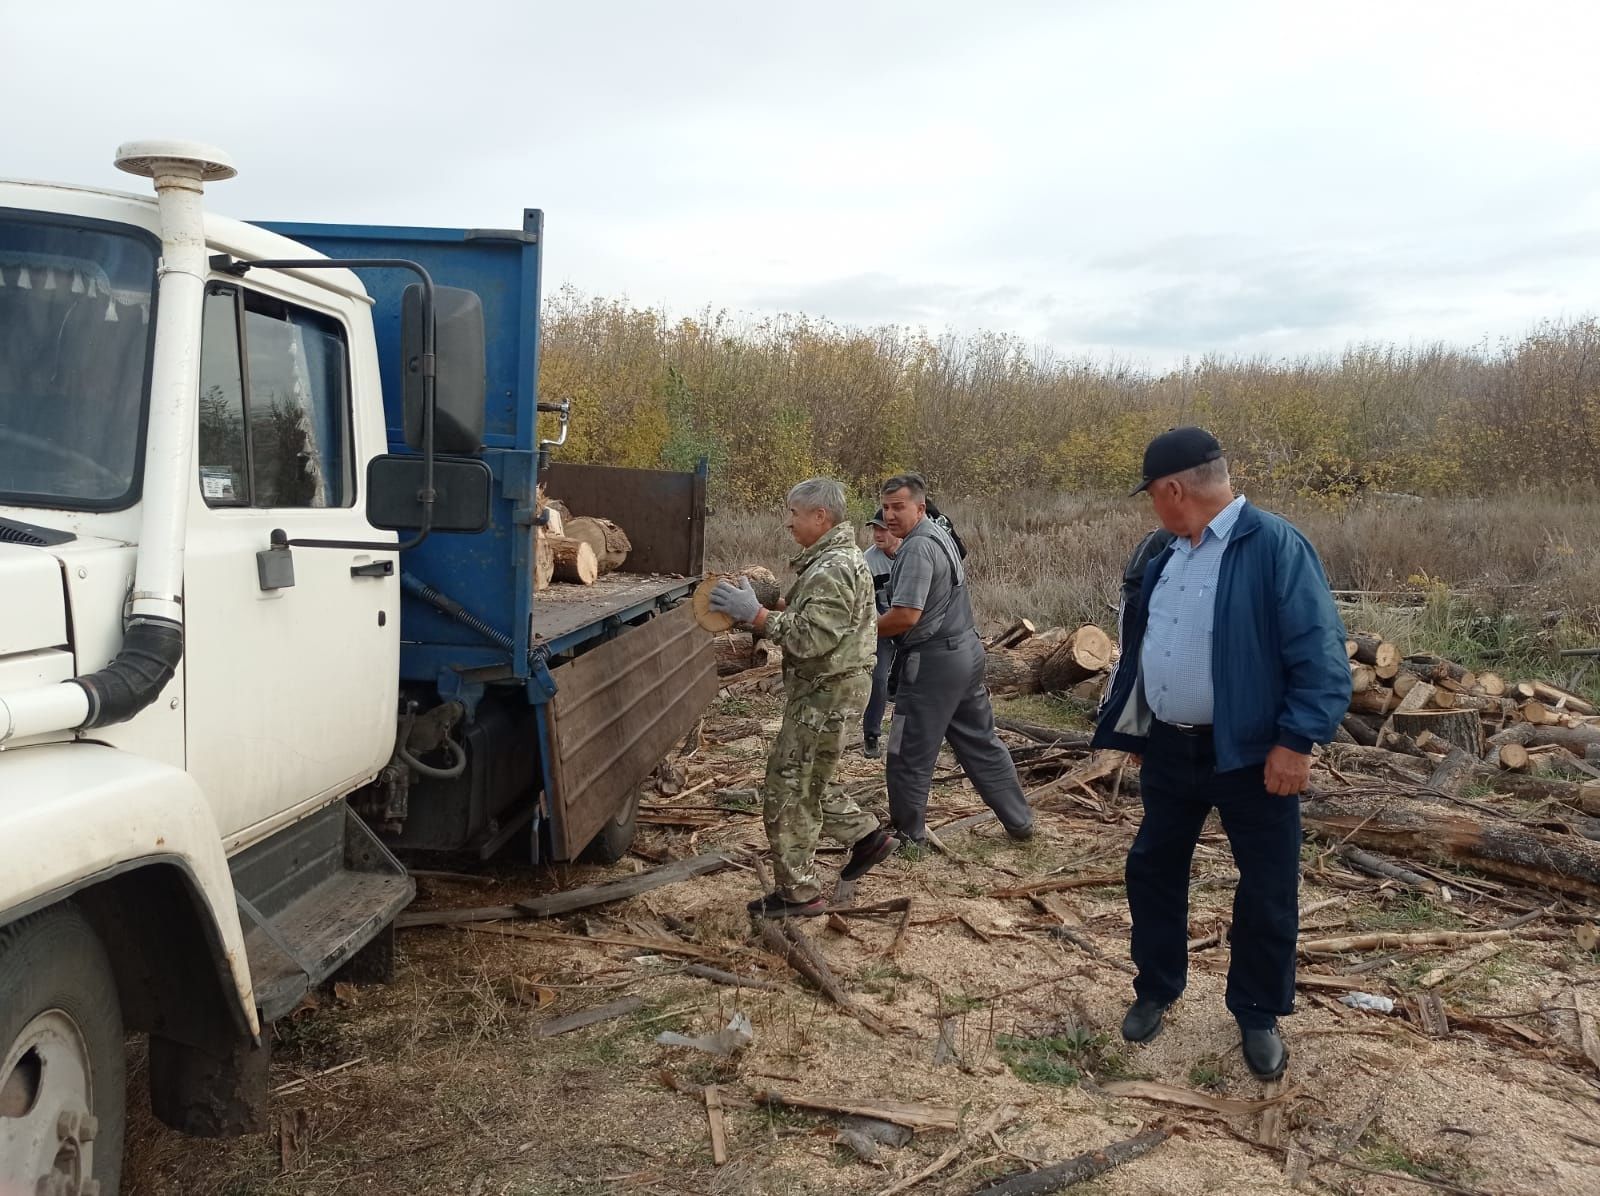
[(217, 485)]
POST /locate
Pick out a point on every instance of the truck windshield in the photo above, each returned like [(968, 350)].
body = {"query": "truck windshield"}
[(75, 336)]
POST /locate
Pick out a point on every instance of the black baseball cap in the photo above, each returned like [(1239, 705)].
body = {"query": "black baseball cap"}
[(1176, 450), (877, 520)]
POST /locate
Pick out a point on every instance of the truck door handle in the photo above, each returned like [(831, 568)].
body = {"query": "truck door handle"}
[(373, 569)]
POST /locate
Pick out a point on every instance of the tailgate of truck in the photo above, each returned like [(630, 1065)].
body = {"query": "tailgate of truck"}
[(618, 710)]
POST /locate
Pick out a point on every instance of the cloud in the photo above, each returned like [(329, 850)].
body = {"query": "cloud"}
[(875, 298)]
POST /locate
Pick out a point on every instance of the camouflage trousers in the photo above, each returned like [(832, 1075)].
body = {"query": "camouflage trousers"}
[(798, 802)]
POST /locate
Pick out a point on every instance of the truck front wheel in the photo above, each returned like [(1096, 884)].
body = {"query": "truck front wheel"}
[(61, 1058), (614, 839)]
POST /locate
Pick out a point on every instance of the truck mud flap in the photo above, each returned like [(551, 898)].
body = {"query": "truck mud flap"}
[(617, 711)]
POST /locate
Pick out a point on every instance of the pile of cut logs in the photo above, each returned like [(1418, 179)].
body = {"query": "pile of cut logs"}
[(578, 550), (1521, 725), (1025, 660)]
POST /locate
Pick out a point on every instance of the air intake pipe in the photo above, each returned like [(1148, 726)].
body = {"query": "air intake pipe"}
[(153, 644)]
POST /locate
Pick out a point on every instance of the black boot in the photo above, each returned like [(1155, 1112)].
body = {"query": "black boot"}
[(1143, 1021), (1264, 1052)]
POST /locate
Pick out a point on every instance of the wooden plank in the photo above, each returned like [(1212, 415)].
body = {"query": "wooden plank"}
[(1430, 1009), (589, 1017), (566, 902), (719, 1129)]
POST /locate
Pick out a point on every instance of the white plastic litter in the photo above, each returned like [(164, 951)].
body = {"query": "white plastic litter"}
[(732, 1038), (1367, 1001)]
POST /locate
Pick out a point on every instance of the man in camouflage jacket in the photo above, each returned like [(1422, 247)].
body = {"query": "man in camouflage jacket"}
[(827, 628)]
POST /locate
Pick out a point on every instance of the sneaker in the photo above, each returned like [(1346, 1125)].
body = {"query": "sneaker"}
[(1021, 833), (776, 905), (871, 747), (867, 853)]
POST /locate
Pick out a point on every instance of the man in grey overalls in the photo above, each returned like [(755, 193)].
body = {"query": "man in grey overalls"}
[(937, 680)]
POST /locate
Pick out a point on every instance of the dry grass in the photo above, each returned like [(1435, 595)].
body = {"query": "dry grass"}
[(1058, 560)]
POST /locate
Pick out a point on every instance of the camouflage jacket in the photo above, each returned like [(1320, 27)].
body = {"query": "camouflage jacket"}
[(828, 630)]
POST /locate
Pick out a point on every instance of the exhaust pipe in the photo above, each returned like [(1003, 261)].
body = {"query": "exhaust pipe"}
[(153, 644)]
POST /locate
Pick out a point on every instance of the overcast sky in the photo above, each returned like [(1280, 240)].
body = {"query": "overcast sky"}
[(1139, 178)]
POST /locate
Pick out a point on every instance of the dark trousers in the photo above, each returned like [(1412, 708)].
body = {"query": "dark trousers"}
[(1179, 785), (941, 696), (872, 717)]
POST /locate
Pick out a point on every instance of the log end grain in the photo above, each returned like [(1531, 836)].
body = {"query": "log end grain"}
[(713, 621)]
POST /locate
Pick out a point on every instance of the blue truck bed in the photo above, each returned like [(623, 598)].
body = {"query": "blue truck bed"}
[(598, 681)]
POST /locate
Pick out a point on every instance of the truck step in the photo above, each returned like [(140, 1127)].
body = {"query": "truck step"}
[(309, 899)]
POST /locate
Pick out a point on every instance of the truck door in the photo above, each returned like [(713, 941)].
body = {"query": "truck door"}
[(290, 680)]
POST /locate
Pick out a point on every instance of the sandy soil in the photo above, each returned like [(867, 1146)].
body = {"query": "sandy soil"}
[(446, 1088)]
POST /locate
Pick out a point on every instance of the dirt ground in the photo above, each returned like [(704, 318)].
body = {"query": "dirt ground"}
[(440, 1082)]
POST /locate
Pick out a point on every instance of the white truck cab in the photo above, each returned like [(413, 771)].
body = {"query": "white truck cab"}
[(201, 648)]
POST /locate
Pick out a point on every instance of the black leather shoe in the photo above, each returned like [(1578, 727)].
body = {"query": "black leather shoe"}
[(1264, 1053), (867, 853), (1143, 1021)]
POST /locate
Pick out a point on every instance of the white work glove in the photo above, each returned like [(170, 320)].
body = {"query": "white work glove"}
[(738, 602)]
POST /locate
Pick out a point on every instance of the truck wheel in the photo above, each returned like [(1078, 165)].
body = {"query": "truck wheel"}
[(614, 839), (62, 1070)]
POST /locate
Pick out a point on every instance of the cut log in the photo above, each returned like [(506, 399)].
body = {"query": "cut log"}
[(1016, 670), (1576, 795), (1459, 727), (1492, 684), (1362, 678), (1514, 757), (1561, 699), (1442, 699), (555, 523), (1371, 650), (1350, 648), (1086, 653), (1522, 691), (544, 562), (1404, 683), (1373, 701), (1565, 863), (1536, 712), (608, 542), (1013, 635), (574, 560), (762, 581), (1575, 739), (1453, 771), (1436, 669), (713, 621), (1360, 730)]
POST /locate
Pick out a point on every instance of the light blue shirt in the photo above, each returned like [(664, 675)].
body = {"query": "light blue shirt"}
[(1175, 659)]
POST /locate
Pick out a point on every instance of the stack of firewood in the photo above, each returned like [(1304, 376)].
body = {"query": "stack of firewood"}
[(1396, 696), (577, 550)]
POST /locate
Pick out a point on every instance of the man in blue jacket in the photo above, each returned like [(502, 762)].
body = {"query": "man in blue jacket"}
[(1233, 667)]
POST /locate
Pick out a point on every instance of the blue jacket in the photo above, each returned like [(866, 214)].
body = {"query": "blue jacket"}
[(1278, 663)]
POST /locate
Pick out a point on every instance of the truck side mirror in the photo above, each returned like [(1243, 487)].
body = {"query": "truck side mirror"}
[(462, 488), (459, 368)]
